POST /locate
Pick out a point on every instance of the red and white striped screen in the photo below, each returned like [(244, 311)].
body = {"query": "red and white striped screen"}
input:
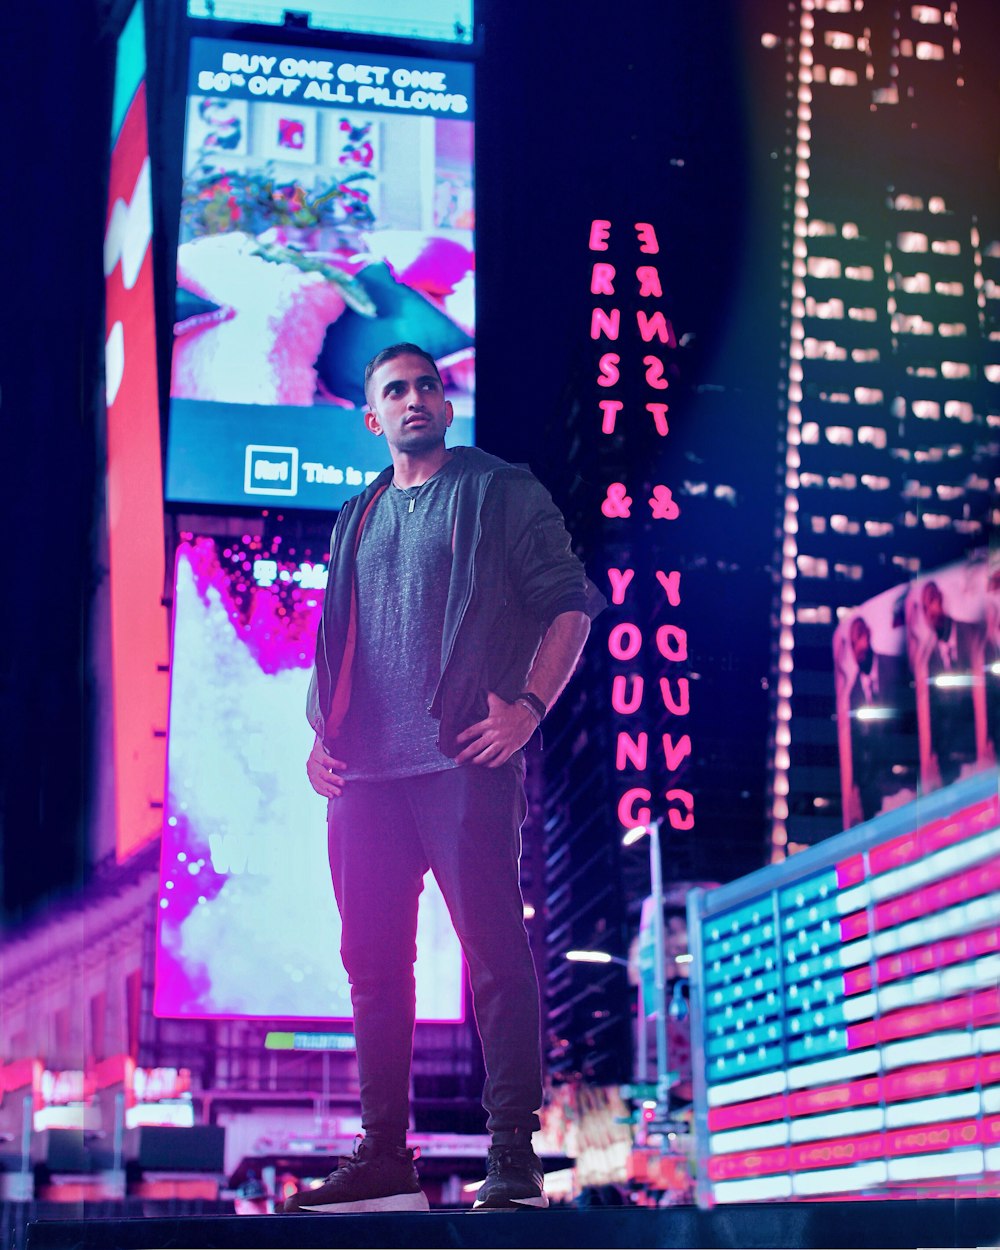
[(848, 1010)]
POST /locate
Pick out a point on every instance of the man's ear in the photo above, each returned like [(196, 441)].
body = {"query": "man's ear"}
[(372, 422), (449, 413)]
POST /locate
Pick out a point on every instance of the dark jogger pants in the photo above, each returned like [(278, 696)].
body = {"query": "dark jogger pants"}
[(464, 824)]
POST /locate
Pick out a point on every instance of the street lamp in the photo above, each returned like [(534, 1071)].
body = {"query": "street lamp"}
[(595, 957), (603, 957), (662, 1113)]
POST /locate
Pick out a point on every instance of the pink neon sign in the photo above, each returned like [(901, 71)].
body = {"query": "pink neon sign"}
[(621, 503)]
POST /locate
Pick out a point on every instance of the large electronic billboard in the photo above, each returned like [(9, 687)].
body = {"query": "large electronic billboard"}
[(248, 925), (134, 499), (327, 210), (918, 695), (444, 21)]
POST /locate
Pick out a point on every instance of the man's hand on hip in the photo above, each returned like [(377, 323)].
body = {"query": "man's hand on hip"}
[(494, 740), (321, 770)]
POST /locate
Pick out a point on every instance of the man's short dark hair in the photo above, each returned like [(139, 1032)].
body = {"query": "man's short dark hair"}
[(390, 353)]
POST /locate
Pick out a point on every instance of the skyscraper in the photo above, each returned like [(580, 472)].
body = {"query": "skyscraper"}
[(890, 314)]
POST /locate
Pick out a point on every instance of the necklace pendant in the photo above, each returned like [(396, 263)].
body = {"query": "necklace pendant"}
[(410, 508)]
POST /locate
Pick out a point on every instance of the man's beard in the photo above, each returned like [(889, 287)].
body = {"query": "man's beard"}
[(418, 441)]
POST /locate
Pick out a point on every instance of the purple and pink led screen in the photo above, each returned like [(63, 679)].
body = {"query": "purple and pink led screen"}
[(327, 210), (248, 925)]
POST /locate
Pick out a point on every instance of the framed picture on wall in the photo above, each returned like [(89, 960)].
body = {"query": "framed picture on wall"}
[(289, 133), (217, 126)]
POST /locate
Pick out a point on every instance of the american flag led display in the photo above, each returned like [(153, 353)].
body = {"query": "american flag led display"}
[(850, 1014)]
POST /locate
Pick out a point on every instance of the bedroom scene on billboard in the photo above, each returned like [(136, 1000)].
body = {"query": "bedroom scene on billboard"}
[(327, 210), (247, 922), (918, 687)]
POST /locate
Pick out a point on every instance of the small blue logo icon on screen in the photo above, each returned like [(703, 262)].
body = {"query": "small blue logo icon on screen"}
[(271, 470)]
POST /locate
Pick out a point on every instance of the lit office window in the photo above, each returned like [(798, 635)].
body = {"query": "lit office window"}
[(810, 432), (916, 490), (825, 310), (835, 397), (959, 369), (878, 529), (864, 355), (842, 481), (911, 323), (992, 373), (868, 395), (850, 231), (948, 494), (910, 563), (915, 283), (839, 39), (810, 479), (862, 314), (841, 77), (872, 434), (841, 435), (886, 95), (843, 525), (818, 229), (946, 247), (927, 51), (949, 288), (769, 41), (952, 329), (921, 371), (926, 409), (992, 289), (814, 616), (859, 273), (823, 267), (908, 203), (936, 204), (874, 481), (911, 241), (823, 349), (818, 524), (813, 566), (960, 409), (926, 14), (851, 572), (936, 521)]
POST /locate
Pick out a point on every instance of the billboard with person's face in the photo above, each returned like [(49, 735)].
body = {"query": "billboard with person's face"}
[(918, 686)]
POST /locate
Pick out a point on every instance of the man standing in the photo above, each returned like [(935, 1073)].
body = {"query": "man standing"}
[(455, 614)]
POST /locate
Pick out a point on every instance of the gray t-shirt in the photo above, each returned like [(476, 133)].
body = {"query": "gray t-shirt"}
[(401, 581)]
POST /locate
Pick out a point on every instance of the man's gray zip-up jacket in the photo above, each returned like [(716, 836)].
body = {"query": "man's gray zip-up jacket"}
[(512, 574)]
